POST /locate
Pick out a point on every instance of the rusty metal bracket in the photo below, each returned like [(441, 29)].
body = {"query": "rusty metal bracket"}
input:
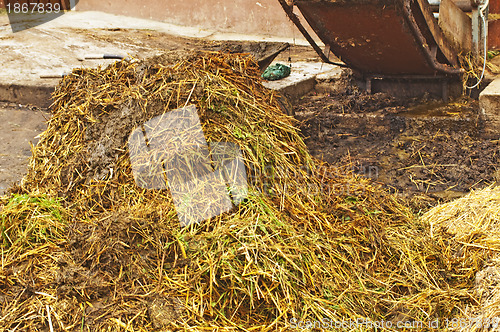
[(379, 37), (441, 86), (295, 19), (434, 41)]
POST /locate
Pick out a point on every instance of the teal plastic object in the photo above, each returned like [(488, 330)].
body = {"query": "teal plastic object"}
[(276, 72)]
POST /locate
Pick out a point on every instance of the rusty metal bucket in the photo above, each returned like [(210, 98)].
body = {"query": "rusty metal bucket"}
[(379, 37)]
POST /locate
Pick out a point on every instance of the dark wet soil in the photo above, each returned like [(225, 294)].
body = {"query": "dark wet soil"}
[(410, 146)]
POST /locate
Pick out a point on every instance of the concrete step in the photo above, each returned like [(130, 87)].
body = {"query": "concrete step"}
[(303, 78), (489, 104)]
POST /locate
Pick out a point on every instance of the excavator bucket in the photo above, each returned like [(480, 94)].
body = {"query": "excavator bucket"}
[(379, 38)]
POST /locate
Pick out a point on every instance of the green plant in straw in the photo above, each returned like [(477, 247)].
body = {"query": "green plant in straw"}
[(26, 220)]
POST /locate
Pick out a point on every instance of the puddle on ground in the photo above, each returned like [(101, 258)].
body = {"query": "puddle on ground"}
[(414, 147), (460, 108)]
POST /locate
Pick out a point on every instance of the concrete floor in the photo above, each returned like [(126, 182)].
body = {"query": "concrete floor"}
[(19, 126)]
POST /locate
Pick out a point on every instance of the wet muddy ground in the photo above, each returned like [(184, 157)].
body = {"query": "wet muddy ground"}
[(410, 146)]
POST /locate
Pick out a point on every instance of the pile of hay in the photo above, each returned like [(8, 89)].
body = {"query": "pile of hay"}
[(472, 224), (85, 248)]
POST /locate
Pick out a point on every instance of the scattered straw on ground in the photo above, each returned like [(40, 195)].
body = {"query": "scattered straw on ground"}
[(473, 219), (472, 223)]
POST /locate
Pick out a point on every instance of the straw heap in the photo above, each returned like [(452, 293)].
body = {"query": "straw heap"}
[(472, 223), (85, 248)]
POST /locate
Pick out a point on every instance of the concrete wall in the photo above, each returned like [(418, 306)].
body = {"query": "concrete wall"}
[(495, 6), (494, 25), (255, 17)]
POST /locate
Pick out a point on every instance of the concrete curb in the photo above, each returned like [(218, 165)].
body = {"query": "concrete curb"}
[(303, 78), (489, 105), (27, 94)]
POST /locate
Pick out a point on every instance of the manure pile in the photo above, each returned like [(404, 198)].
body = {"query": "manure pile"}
[(84, 248)]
